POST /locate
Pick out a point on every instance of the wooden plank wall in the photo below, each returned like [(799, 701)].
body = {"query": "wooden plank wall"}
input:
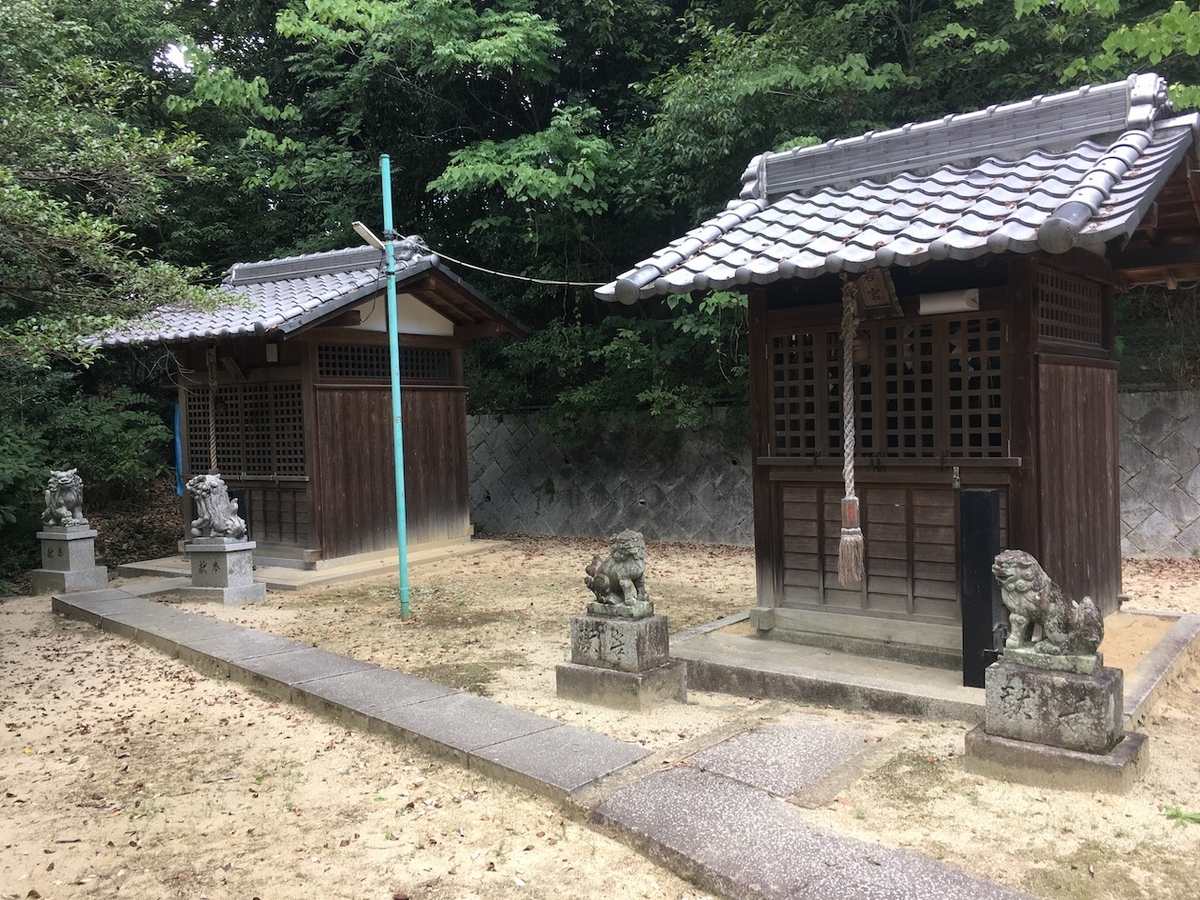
[(356, 484), (1079, 482), (355, 487), (911, 542), (435, 464), (278, 515)]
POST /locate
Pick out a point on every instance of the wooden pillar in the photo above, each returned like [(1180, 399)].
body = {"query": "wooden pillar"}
[(1024, 511), (766, 527)]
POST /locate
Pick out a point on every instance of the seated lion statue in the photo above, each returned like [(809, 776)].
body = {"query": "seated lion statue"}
[(216, 514), (64, 499), (621, 577), (1033, 599)]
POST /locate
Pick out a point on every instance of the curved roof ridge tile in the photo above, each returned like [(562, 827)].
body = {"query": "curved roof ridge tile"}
[(1060, 232), (952, 188)]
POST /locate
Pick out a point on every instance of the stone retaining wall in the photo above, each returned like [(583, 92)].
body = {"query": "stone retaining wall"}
[(691, 486), (696, 486), (1160, 473)]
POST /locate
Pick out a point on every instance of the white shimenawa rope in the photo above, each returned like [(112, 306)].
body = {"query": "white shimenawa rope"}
[(212, 416), (851, 548)]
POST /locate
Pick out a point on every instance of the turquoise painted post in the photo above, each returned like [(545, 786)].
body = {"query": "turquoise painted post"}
[(389, 237)]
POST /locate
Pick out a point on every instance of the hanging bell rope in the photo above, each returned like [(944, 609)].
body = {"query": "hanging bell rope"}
[(851, 548), (212, 412)]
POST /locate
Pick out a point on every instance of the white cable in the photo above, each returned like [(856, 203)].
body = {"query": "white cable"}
[(466, 265)]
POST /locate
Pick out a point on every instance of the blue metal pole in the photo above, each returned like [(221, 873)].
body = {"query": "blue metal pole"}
[(389, 237)]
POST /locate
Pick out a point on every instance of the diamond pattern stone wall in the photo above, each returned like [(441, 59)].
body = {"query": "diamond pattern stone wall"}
[(1160, 473), (697, 487), (691, 486)]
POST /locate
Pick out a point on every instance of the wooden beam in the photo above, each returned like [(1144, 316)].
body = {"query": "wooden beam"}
[(479, 331), (1084, 264), (349, 317), (1193, 182), (1158, 259), (1149, 223)]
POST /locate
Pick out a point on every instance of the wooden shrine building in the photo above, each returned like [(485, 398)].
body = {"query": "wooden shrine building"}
[(984, 251), (300, 423)]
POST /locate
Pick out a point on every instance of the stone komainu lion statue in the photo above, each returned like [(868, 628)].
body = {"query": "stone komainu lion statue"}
[(216, 514), (621, 578), (64, 499), (1033, 599)]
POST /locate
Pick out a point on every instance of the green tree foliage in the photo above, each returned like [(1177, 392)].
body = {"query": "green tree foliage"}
[(563, 141), (57, 419), (86, 162), (80, 172), (1168, 40)]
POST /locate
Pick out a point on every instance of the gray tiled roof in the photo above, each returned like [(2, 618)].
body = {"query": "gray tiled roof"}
[(1051, 173), (286, 294)]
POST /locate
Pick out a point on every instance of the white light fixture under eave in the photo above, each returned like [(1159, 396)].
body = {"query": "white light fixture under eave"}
[(367, 235), (966, 300)]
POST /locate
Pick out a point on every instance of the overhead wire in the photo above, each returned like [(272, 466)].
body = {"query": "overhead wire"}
[(526, 278)]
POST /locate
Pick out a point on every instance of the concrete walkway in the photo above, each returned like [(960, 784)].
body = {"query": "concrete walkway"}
[(732, 661), (721, 816), (174, 572)]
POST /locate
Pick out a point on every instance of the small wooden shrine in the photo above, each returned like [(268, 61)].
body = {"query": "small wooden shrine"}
[(286, 393), (978, 257)]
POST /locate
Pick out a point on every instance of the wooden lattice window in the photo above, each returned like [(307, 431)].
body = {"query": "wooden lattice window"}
[(427, 364), (259, 430), (924, 388), (337, 361), (905, 423), (807, 392), (349, 362), (974, 388), (1070, 309)]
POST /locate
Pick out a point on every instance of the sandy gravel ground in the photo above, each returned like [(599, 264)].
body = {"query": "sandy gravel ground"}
[(123, 773)]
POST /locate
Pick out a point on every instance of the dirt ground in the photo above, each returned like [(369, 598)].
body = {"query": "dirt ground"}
[(123, 773)]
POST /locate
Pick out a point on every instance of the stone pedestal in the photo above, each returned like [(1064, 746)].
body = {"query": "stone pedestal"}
[(223, 568), (1051, 722), (1060, 709), (621, 662), (68, 561)]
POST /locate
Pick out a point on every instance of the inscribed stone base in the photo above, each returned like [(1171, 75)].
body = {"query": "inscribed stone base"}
[(90, 578), (67, 548), (1036, 764), (235, 595), (1057, 709), (221, 562), (623, 690), (627, 645)]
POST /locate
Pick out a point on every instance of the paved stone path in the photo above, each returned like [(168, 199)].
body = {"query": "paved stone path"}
[(719, 817)]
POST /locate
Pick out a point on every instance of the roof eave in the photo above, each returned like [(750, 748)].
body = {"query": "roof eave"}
[(507, 325)]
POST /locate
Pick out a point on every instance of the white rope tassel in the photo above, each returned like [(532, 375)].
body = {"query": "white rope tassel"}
[(851, 548)]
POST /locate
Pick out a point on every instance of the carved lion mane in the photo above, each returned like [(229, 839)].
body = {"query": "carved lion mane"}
[(1033, 599), (64, 499), (216, 514), (621, 577)]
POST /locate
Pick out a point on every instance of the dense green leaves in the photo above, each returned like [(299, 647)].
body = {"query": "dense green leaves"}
[(563, 141), (559, 140), (80, 171), (1169, 41)]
